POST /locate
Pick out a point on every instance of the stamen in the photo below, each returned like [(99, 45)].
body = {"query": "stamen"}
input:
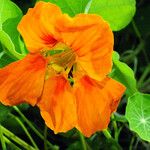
[(61, 58)]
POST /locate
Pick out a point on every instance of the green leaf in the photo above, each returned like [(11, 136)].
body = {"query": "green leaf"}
[(71, 7), (6, 41), (5, 60), (10, 27), (8, 10), (8, 44), (10, 15), (138, 114), (124, 74), (118, 13)]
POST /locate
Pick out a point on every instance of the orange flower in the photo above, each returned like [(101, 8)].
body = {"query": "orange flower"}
[(65, 73)]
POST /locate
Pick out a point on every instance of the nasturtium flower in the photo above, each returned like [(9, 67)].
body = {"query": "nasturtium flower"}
[(66, 71)]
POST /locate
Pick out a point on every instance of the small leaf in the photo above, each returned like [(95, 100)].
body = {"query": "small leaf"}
[(118, 13), (124, 74), (71, 7), (138, 114)]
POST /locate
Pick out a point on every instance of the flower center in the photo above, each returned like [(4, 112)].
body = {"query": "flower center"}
[(61, 58)]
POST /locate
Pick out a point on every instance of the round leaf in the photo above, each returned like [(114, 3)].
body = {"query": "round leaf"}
[(138, 114), (118, 13), (71, 7)]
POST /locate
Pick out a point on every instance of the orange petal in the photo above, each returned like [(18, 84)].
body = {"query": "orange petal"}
[(113, 90), (57, 105), (37, 26), (22, 81), (95, 103), (91, 39)]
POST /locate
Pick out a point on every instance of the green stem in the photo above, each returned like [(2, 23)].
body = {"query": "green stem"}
[(120, 118), (26, 131), (135, 65), (16, 139), (144, 75), (107, 134), (45, 138), (131, 143), (140, 38), (10, 143), (136, 30), (83, 142), (139, 48), (115, 127), (2, 139), (147, 82), (53, 147)]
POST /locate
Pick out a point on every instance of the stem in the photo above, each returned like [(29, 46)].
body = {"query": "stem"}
[(140, 38), (107, 134), (82, 139), (53, 147), (120, 118), (45, 138), (135, 65), (136, 30), (26, 131), (139, 48), (131, 143), (10, 143), (146, 83), (16, 139), (144, 75), (115, 127), (2, 139)]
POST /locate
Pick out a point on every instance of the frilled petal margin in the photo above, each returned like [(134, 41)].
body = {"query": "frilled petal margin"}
[(89, 36), (95, 103), (37, 27), (57, 105), (23, 81), (91, 39)]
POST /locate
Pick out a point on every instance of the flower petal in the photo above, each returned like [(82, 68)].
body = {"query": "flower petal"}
[(37, 26), (91, 39), (22, 81), (95, 103), (57, 105)]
